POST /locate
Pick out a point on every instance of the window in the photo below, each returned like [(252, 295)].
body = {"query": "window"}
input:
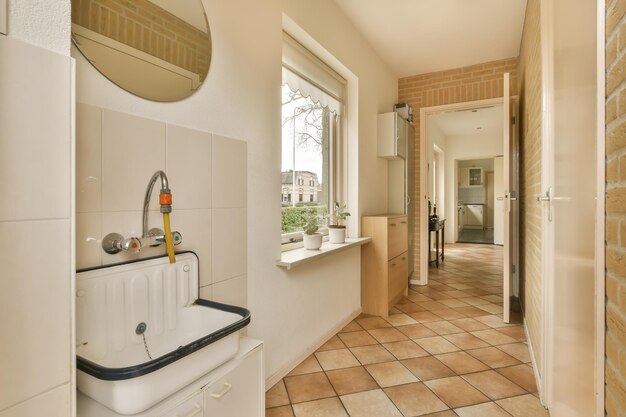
[(312, 105)]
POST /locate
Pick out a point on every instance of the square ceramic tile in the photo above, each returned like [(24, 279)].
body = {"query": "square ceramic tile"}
[(332, 344), (133, 149), (493, 385), (409, 308), (88, 158), (448, 314), (233, 291), (416, 331), (436, 345), (372, 354), (455, 392), (195, 227), (88, 240), (230, 173), (415, 399), (494, 337), (461, 362), (56, 402), (206, 292), (522, 375), (188, 163), (388, 374), (372, 323), (427, 368), (284, 411), (405, 349), (482, 410), (492, 321), (470, 311), (453, 302), (387, 335), (466, 341), (336, 359), (469, 324), (518, 350), (443, 327), (307, 366), (425, 316), (353, 326), (523, 406), (229, 243), (35, 133), (350, 380), (358, 338), (308, 387), (370, 403), (493, 357), (516, 332), (400, 320), (491, 308), (328, 407), (277, 395)]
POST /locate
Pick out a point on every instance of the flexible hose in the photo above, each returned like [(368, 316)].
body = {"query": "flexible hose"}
[(169, 245)]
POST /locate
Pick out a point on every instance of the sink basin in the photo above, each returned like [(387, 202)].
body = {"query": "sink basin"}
[(143, 334)]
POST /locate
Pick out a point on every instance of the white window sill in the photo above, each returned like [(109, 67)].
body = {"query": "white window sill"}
[(296, 257)]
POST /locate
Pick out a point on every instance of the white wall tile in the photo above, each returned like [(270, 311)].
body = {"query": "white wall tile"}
[(189, 167), (229, 243), (34, 132), (35, 307), (206, 293), (88, 240), (133, 149), (56, 402), (88, 158), (195, 226), (232, 291), (229, 172), (128, 224)]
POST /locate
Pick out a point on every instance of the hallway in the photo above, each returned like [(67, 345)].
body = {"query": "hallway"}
[(443, 352)]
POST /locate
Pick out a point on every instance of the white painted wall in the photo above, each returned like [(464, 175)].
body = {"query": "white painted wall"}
[(291, 311), (45, 23)]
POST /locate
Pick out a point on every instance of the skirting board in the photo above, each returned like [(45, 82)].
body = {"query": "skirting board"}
[(282, 372), (534, 363)]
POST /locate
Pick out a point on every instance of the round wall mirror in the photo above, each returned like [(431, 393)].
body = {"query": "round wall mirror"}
[(156, 49)]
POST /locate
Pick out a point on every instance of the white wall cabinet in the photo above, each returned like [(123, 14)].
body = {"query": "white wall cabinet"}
[(392, 135), (471, 177)]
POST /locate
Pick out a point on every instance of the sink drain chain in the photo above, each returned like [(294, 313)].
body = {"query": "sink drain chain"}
[(141, 330)]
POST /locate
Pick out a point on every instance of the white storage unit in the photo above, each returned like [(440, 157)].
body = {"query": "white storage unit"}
[(471, 177), (392, 136), (475, 216)]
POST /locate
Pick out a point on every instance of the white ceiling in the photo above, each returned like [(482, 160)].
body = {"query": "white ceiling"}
[(466, 122), (421, 36)]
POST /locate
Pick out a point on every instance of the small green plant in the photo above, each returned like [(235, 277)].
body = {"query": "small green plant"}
[(340, 214), (312, 225)]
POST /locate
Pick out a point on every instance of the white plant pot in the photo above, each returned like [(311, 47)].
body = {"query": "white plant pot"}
[(337, 234), (312, 242)]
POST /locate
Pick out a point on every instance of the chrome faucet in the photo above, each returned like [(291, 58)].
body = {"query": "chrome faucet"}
[(165, 208)]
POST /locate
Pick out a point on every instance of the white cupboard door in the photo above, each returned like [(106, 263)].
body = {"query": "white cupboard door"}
[(190, 408)]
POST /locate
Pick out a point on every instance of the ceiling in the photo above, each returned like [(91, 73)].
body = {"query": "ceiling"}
[(466, 122), (420, 36)]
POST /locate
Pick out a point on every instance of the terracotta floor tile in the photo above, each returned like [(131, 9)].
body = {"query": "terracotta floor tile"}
[(482, 410), (448, 413), (448, 314), (469, 324), (523, 406), (454, 302), (491, 308), (455, 392), (308, 387), (418, 297), (425, 316), (460, 286), (353, 326), (329, 407), (495, 322), (474, 301), (443, 327), (518, 350), (431, 305), (461, 362), (372, 354), (427, 368), (409, 308), (416, 331), (277, 395), (494, 385), (466, 341), (493, 357), (471, 311), (387, 335), (369, 404), (493, 337), (350, 380), (516, 332), (522, 375), (415, 399), (332, 344), (405, 349), (400, 320), (388, 374), (336, 359), (492, 298), (436, 345), (360, 338), (307, 366), (372, 323), (456, 294), (284, 411)]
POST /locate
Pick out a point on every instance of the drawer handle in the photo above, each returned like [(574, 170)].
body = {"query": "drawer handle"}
[(227, 387), (195, 412), (392, 224)]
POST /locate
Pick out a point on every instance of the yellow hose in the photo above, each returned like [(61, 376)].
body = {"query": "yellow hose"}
[(169, 245)]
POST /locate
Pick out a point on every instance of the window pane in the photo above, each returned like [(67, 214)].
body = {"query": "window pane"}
[(306, 137)]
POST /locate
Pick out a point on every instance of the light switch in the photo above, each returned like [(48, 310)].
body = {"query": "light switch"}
[(3, 17)]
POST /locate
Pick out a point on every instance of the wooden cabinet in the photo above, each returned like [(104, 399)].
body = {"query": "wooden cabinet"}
[(384, 262), (392, 135)]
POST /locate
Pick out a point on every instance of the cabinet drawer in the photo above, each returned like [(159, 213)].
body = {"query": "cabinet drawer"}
[(190, 408), (397, 236), (398, 273)]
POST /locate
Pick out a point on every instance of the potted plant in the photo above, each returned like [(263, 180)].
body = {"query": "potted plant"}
[(311, 238), (336, 230)]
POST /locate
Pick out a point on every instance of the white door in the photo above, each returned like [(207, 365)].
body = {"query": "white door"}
[(506, 138), (498, 210), (569, 206)]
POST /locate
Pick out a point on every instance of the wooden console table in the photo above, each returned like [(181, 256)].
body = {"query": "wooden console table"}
[(439, 227)]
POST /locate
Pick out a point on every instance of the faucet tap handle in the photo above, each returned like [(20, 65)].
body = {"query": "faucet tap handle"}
[(114, 243), (131, 245)]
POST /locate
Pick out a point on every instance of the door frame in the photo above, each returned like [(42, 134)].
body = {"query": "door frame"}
[(423, 221)]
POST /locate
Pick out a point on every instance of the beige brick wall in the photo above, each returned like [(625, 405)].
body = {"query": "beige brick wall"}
[(477, 82), (529, 75), (615, 208), (148, 28)]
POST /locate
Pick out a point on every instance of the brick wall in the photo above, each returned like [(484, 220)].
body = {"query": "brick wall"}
[(530, 85), (148, 28), (615, 208), (477, 82)]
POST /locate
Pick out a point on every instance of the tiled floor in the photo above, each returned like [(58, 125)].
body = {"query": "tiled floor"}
[(443, 352), (476, 236)]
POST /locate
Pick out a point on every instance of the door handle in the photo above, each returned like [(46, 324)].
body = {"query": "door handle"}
[(547, 198)]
